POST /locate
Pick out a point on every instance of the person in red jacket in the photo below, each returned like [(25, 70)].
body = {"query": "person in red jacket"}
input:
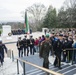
[(36, 45)]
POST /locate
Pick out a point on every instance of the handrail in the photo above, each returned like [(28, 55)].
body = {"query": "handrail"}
[(44, 69), (10, 42), (70, 49)]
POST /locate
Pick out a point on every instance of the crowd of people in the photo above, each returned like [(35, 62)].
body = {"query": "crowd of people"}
[(26, 46), (18, 32), (63, 44), (58, 44)]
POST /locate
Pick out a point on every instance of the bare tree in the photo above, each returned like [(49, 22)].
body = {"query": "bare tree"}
[(37, 12), (69, 4), (69, 9)]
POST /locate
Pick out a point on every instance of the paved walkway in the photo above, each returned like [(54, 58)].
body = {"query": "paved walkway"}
[(9, 67)]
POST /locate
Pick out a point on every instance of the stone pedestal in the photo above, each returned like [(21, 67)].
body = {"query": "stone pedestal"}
[(6, 30), (43, 30)]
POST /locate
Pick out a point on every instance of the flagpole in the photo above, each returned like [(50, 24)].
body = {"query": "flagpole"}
[(27, 23)]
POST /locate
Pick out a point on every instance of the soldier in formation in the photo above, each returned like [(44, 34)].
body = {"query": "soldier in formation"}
[(31, 45), (20, 47), (25, 46)]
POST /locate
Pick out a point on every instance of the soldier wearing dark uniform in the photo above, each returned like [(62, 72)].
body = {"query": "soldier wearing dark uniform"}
[(44, 51), (31, 45), (65, 52), (25, 45), (58, 45), (2, 48), (20, 47)]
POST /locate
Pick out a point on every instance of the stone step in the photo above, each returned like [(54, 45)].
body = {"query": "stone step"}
[(30, 70)]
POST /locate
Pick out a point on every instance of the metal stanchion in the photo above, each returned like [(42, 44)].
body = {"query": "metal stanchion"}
[(24, 69), (73, 57), (17, 67), (9, 53), (68, 55), (12, 56)]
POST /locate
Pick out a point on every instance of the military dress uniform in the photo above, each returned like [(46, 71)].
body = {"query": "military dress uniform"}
[(44, 52), (20, 47), (58, 45), (45, 48), (25, 46), (65, 52), (31, 45)]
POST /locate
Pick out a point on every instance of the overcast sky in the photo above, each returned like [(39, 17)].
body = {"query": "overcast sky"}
[(10, 10)]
